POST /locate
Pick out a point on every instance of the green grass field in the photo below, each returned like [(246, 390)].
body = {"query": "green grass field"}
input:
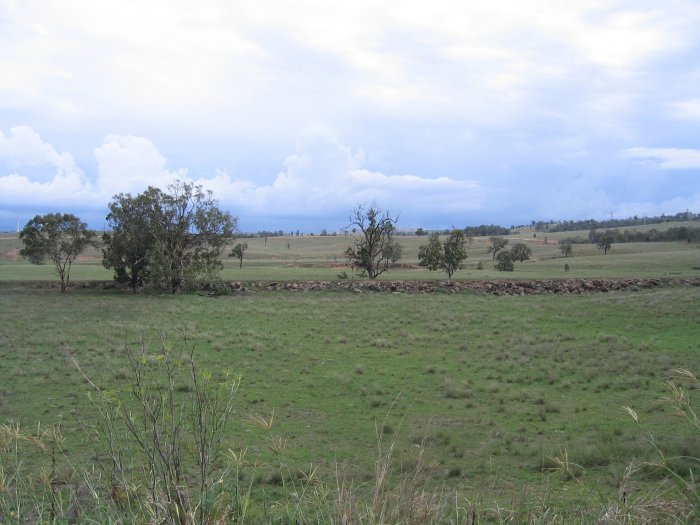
[(494, 387), (488, 390)]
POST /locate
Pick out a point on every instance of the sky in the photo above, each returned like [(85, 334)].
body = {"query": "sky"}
[(445, 113)]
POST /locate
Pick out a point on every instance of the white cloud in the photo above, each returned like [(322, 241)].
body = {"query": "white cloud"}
[(669, 158), (24, 147), (126, 164), (687, 109), (213, 63), (668, 206), (323, 177)]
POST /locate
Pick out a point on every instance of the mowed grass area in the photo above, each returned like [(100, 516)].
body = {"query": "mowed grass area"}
[(316, 257), (490, 388)]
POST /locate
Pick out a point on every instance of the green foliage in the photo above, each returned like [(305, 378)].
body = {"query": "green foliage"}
[(393, 252), (238, 252), (57, 237), (126, 247), (603, 240), (447, 256), (504, 262), (371, 253), (566, 248), (167, 238), (496, 244), (520, 252), (173, 415)]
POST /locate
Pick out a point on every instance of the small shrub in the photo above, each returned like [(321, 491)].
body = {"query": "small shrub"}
[(504, 262)]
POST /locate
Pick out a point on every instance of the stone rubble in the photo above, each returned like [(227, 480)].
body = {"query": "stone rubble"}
[(492, 287)]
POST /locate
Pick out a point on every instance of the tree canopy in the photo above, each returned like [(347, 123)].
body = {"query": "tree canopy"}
[(238, 251), (57, 237), (446, 256), (167, 238), (375, 248), (496, 244), (520, 252)]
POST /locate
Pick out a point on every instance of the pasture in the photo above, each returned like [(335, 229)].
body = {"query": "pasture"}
[(489, 392), (321, 257)]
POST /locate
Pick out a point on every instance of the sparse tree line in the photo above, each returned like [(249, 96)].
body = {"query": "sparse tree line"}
[(175, 238), (591, 224), (376, 248), (674, 234)]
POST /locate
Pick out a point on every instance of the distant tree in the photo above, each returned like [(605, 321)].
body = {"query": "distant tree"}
[(324, 232), (430, 255), (520, 252), (504, 262), (59, 238), (371, 253), (447, 256), (393, 252), (603, 240), (496, 244), (420, 232), (604, 244), (238, 251), (566, 248), (484, 230)]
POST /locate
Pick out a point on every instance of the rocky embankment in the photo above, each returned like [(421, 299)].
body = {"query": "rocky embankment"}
[(493, 287)]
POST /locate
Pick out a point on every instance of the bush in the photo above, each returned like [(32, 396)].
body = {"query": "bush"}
[(504, 262)]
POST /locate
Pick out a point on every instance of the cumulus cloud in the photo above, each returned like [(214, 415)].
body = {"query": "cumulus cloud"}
[(127, 163), (53, 177), (24, 147), (324, 176), (669, 158)]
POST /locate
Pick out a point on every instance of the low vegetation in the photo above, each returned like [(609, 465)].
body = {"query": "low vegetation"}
[(461, 402), (456, 407)]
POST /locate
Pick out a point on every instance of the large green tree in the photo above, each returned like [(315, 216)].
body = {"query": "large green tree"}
[(171, 238), (126, 246), (447, 256), (59, 238), (374, 249)]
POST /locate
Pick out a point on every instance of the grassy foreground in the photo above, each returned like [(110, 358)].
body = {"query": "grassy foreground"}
[(510, 404)]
